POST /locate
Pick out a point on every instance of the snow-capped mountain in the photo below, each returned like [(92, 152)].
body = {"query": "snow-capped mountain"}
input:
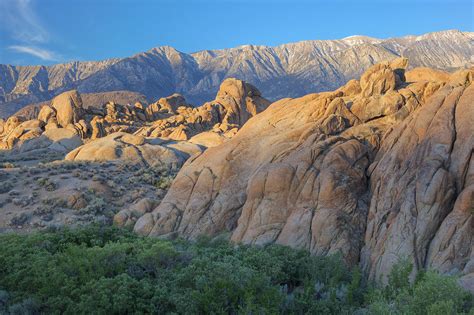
[(287, 70)]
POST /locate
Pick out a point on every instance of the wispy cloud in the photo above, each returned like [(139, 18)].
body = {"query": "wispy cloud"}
[(26, 31), (21, 21), (37, 52)]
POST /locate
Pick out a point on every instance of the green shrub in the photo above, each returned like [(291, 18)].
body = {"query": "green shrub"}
[(430, 293), (435, 293), (26, 307), (399, 279), (5, 187), (95, 205), (105, 270)]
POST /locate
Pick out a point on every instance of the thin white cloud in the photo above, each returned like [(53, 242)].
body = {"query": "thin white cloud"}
[(37, 52), (20, 20), (25, 29)]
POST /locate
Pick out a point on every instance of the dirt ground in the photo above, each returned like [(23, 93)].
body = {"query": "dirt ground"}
[(43, 193)]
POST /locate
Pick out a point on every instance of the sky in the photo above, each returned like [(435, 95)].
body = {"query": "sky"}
[(56, 31)]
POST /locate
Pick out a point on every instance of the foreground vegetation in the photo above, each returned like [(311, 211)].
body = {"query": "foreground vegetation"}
[(104, 270)]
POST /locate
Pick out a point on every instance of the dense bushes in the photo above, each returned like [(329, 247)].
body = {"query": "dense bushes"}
[(431, 293), (109, 271)]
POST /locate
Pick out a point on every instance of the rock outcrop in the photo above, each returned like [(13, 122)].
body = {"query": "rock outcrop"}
[(376, 170), (170, 118), (14, 130), (137, 149), (426, 74), (165, 107), (68, 108), (59, 139), (422, 184), (67, 113), (235, 103)]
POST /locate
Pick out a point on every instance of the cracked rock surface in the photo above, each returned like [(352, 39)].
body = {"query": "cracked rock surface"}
[(378, 170)]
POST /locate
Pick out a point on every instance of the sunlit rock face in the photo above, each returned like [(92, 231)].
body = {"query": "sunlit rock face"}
[(377, 170)]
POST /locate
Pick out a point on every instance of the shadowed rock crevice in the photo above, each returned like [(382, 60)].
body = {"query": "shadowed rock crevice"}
[(415, 178)]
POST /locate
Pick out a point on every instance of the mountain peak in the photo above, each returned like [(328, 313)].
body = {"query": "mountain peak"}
[(251, 47), (361, 38), (164, 49)]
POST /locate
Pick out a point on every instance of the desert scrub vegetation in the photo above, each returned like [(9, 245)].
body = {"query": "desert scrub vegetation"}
[(96, 205), (155, 175), (431, 293), (47, 184), (42, 155), (5, 186), (105, 270)]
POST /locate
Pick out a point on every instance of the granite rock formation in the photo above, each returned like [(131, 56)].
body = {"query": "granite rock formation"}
[(378, 170), (170, 118)]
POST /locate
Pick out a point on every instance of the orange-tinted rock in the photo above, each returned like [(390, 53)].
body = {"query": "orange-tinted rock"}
[(68, 106), (375, 175), (421, 182)]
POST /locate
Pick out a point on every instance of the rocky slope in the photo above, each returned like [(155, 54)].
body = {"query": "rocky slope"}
[(288, 70), (71, 165), (378, 170)]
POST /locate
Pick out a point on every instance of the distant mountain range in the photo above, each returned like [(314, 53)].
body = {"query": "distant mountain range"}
[(287, 70)]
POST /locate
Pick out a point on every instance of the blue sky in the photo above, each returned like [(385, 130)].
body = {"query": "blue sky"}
[(54, 31)]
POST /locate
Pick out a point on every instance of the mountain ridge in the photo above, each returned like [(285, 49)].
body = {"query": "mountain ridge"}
[(287, 70)]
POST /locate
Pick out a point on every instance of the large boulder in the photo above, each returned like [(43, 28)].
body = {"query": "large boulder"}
[(165, 105), (68, 107), (426, 74), (241, 101), (46, 113), (97, 126), (127, 217), (11, 123), (292, 184), (131, 148), (22, 131), (294, 175), (367, 108), (383, 77), (60, 140), (208, 139)]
